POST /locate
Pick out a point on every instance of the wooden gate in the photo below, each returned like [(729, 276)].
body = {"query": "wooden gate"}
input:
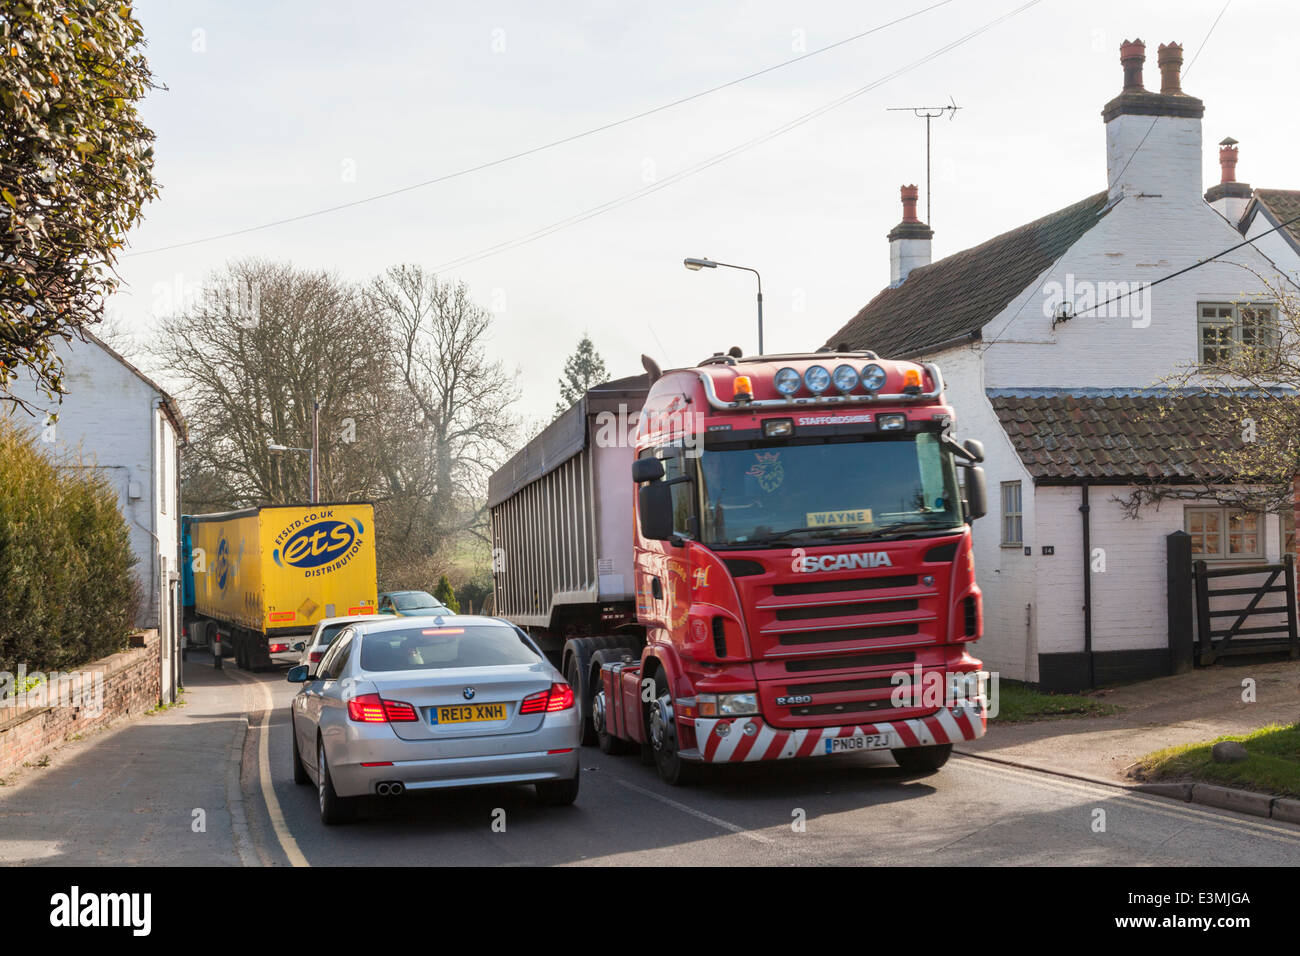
[(1245, 634)]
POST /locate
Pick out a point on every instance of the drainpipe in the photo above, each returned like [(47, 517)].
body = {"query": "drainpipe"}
[(1085, 510)]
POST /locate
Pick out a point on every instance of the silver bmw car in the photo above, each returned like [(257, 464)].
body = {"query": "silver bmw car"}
[(407, 704)]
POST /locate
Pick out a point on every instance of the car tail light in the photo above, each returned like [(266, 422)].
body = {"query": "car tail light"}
[(559, 697), (278, 648), (315, 657), (397, 710), (373, 709)]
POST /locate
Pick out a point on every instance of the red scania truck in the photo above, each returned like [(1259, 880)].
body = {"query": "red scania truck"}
[(758, 558)]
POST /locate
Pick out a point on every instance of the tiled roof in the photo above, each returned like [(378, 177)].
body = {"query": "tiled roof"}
[(1113, 434), (1284, 204), (957, 296)]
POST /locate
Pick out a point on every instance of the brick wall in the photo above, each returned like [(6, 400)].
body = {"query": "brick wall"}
[(131, 685)]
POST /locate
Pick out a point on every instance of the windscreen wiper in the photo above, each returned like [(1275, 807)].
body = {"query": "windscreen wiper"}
[(778, 535), (902, 526)]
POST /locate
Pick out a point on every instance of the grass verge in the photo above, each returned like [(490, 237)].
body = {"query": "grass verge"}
[(1273, 764), (1018, 703)]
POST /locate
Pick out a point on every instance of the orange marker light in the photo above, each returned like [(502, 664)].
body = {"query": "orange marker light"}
[(744, 388), (912, 378)]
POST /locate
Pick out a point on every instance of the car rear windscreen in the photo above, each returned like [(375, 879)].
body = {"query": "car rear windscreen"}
[(444, 648)]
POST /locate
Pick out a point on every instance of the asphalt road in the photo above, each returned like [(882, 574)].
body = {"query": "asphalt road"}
[(850, 810)]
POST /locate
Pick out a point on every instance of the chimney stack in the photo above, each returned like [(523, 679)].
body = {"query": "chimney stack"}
[(1228, 197), (1153, 140), (909, 241)]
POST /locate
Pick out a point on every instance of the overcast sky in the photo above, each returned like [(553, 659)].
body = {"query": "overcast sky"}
[(276, 110)]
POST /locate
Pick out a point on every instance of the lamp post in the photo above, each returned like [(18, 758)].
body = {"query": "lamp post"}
[(695, 265), (314, 491)]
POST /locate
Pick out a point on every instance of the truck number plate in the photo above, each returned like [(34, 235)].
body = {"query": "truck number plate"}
[(467, 713), (839, 745)]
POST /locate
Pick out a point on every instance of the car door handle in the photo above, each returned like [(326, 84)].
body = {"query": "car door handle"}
[(656, 588)]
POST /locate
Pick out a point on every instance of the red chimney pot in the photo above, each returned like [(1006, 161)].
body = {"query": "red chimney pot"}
[(1132, 53), (909, 194), (1170, 58), (1228, 160)]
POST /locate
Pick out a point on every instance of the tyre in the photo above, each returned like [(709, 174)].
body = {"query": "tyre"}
[(299, 771), (333, 808), (557, 793), (576, 673), (923, 759), (661, 726), (600, 706)]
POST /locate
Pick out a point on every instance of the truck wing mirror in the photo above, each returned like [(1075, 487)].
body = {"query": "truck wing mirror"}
[(647, 469), (655, 510), (975, 447), (977, 496)]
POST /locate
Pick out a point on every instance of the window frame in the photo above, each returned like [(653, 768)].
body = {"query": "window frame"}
[(1235, 325), (1224, 533), (1018, 515)]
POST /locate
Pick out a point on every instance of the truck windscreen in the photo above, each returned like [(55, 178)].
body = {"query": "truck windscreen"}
[(801, 493)]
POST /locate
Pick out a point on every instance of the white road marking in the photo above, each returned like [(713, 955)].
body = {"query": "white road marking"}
[(700, 814), (1151, 803), (287, 842)]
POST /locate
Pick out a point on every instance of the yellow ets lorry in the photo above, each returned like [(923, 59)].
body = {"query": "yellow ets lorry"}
[(257, 581)]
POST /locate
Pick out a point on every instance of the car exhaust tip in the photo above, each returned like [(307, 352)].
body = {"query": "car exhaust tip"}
[(390, 788)]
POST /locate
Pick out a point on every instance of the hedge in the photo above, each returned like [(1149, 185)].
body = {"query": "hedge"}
[(67, 595)]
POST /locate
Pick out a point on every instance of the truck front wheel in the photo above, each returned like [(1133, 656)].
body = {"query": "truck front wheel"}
[(923, 759), (662, 731)]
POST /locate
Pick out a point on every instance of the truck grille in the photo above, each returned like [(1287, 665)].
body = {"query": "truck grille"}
[(844, 661), (794, 588), (847, 634), (813, 611)]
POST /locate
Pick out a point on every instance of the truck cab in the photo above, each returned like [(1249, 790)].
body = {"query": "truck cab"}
[(803, 565)]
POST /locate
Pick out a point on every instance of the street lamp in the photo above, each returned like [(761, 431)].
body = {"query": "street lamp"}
[(315, 441), (695, 265)]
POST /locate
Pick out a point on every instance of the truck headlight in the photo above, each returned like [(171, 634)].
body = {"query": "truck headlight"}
[(964, 688), (727, 705)]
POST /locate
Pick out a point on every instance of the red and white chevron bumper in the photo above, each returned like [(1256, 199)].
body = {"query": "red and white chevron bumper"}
[(746, 739)]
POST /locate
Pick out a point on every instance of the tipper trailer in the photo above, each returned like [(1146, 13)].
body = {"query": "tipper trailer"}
[(257, 581), (758, 558)]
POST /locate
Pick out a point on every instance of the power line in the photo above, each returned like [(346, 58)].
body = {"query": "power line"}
[(717, 158), (1052, 270), (543, 146)]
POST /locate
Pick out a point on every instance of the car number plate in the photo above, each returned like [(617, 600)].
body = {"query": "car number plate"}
[(839, 745), (467, 713)]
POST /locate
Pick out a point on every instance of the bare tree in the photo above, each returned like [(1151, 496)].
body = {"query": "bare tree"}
[(460, 400), (261, 343)]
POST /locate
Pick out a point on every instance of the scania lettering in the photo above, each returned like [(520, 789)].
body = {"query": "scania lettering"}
[(744, 577)]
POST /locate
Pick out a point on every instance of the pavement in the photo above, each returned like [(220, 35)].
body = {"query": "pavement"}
[(154, 790), (1154, 714)]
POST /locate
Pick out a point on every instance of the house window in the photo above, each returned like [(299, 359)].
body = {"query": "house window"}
[(1224, 534), (1012, 516), (1225, 327), (1288, 531)]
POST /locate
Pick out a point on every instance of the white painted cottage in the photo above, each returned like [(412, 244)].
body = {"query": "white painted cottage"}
[(1064, 394), (116, 421)]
